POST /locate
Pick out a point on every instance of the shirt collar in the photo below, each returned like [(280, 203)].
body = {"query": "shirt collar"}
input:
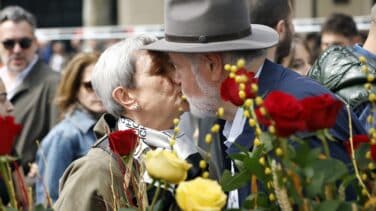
[(82, 120), (28, 69)]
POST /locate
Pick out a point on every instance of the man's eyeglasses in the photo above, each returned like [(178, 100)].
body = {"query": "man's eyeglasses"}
[(24, 43), (88, 86)]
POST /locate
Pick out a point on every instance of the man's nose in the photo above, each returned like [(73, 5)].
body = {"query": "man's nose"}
[(176, 78), (17, 47), (9, 107)]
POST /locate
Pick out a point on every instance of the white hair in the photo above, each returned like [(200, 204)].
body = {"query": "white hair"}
[(116, 67)]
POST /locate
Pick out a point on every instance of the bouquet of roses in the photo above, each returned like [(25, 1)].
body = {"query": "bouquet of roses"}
[(290, 165)]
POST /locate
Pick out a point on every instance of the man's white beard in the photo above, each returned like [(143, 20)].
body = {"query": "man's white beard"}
[(200, 107)]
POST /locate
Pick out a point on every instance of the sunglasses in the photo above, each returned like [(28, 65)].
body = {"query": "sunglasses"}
[(88, 86), (24, 43)]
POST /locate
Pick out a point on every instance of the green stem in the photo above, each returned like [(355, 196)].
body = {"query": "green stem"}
[(155, 196), (325, 145), (7, 176)]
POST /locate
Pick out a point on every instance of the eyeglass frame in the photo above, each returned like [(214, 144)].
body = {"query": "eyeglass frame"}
[(25, 43)]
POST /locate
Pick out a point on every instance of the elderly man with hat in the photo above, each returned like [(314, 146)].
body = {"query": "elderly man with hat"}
[(202, 36)]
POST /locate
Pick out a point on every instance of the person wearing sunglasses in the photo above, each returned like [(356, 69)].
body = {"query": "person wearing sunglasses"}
[(31, 84), (73, 136)]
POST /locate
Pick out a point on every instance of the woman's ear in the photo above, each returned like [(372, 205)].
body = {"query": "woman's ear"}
[(215, 65), (122, 96)]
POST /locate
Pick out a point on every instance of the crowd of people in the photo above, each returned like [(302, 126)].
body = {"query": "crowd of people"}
[(69, 103)]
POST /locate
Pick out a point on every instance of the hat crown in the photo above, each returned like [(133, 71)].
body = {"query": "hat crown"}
[(206, 19)]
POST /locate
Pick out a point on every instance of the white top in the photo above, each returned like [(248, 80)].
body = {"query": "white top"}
[(11, 86)]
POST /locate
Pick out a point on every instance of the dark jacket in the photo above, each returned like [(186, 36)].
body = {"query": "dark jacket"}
[(34, 109), (339, 69)]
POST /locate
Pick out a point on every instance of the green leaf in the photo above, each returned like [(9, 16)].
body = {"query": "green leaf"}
[(361, 159), (254, 167), (10, 209), (262, 201), (344, 183), (305, 155), (237, 156), (229, 182), (241, 148), (333, 169), (128, 209), (315, 187), (330, 205), (267, 141), (345, 206)]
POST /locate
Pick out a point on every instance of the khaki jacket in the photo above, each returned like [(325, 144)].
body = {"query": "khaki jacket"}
[(34, 109)]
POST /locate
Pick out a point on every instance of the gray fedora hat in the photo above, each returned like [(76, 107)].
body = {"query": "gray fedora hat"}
[(197, 26)]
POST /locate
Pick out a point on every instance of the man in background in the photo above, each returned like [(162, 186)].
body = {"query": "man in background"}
[(339, 69), (339, 29), (29, 82), (278, 15)]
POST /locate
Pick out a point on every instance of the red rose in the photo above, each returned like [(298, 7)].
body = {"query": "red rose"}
[(285, 110), (8, 132), (230, 89), (123, 142), (321, 111), (357, 141)]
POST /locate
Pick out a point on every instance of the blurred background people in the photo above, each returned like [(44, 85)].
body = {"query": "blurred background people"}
[(278, 15), (339, 29), (58, 57), (313, 42), (339, 69), (299, 58), (31, 85), (73, 136)]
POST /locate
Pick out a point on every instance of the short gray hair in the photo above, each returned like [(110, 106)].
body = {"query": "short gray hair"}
[(116, 67), (17, 14)]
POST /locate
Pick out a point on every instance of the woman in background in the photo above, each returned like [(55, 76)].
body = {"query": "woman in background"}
[(299, 58), (73, 136)]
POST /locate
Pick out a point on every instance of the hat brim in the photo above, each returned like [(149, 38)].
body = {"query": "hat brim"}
[(262, 37)]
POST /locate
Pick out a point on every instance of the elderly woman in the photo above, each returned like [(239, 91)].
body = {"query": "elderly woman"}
[(73, 136), (136, 89)]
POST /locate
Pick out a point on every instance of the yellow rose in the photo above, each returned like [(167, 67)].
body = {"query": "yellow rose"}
[(200, 194), (165, 165)]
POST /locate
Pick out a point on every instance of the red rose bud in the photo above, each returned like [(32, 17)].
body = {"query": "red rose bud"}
[(321, 111), (285, 110), (8, 132), (230, 89), (123, 142)]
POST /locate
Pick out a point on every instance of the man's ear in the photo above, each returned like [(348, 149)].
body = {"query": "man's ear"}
[(281, 28), (122, 96), (214, 63)]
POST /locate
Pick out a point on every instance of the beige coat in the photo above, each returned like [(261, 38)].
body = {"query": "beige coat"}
[(91, 183)]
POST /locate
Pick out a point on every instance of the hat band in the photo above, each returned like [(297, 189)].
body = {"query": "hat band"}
[(206, 39)]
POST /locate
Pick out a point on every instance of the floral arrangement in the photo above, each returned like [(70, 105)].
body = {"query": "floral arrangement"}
[(282, 171), (292, 173)]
